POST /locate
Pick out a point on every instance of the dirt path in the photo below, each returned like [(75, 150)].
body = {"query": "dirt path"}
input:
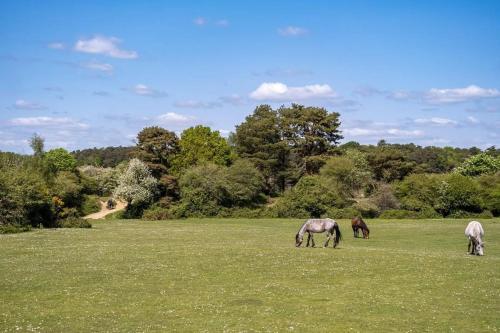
[(104, 211)]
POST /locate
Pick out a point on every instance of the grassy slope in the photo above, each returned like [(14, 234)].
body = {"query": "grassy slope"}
[(246, 275)]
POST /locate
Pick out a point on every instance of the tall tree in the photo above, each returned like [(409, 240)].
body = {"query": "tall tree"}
[(258, 139), (60, 159), (389, 163), (200, 145), (310, 133), (350, 172), (478, 165), (136, 186), (37, 144), (157, 147)]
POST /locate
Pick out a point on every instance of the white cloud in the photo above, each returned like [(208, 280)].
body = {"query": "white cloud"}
[(292, 31), (436, 121), (97, 66), (143, 90), (398, 133), (278, 91), (200, 21), (455, 95), (104, 45), (174, 118), (48, 122), (436, 141), (374, 131), (381, 132), (22, 104), (56, 46)]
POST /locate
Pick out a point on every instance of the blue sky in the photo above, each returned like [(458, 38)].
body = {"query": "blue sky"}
[(94, 73)]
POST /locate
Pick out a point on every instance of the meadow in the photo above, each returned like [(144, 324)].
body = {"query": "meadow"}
[(241, 275)]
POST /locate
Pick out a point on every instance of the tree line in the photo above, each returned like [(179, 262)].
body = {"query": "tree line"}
[(284, 162)]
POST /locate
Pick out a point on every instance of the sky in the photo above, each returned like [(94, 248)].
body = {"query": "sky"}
[(86, 74)]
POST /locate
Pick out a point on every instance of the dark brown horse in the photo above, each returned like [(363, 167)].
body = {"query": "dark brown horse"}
[(358, 223)]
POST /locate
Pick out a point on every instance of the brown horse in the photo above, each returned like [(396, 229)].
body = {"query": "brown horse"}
[(358, 223)]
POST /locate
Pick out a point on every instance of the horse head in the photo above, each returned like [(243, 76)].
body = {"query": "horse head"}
[(366, 233), (480, 248), (298, 240)]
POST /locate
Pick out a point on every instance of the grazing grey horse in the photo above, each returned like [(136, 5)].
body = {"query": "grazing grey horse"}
[(475, 233), (317, 226)]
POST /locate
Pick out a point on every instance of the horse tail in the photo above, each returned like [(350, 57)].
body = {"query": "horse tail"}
[(338, 234)]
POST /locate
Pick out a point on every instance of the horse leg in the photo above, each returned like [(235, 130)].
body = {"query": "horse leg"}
[(328, 235), (312, 239), (308, 238), (354, 231), (335, 242), (468, 247)]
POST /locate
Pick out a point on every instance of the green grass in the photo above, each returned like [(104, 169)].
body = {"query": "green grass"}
[(232, 275)]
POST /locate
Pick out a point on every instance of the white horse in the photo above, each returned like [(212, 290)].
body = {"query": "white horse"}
[(475, 233), (318, 226)]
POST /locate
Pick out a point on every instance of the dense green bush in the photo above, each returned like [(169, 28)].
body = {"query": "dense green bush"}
[(479, 164), (246, 212), (384, 197), (367, 208), (460, 214), (418, 191), (116, 215), (409, 214), (13, 228), (69, 212), (91, 204), (11, 211), (200, 145), (350, 172), (244, 183), (312, 196), (457, 192), (342, 213), (66, 185), (490, 192), (73, 222), (206, 189), (25, 194), (203, 190), (156, 213), (60, 159)]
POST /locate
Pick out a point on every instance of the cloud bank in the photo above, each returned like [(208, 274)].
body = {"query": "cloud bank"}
[(108, 46), (277, 91)]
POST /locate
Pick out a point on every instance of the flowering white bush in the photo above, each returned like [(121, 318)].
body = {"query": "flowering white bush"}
[(136, 186)]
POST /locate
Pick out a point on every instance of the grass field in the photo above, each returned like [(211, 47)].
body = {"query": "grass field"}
[(231, 275)]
